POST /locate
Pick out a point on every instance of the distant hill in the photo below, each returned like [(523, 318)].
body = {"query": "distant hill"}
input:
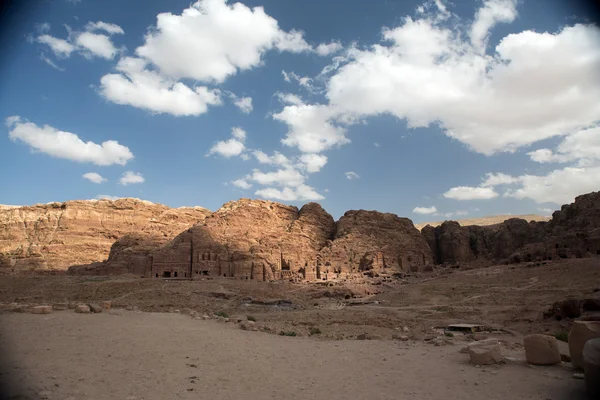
[(484, 221)]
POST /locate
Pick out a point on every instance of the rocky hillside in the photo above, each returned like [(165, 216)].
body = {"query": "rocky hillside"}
[(573, 231), (58, 235), (263, 240), (486, 221)]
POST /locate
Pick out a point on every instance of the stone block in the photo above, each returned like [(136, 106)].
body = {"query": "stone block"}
[(541, 349), (82, 309), (581, 332), (42, 310)]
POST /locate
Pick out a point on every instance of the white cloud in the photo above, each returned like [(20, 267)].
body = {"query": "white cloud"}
[(351, 175), (281, 177), (139, 87), (582, 146), (107, 197), (130, 178), (310, 129), (232, 147), (242, 184), (425, 210), (277, 158), (238, 133), (299, 193), (228, 148), (304, 81), (559, 186), (211, 40), (51, 63), (244, 104), (60, 47), (532, 86), (376, 144), (89, 43), (470, 193), (313, 162), (95, 44), (326, 49), (66, 145), (111, 29), (94, 177), (492, 12), (498, 179)]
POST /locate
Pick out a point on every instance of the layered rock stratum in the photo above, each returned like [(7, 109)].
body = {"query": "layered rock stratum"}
[(58, 235), (573, 231)]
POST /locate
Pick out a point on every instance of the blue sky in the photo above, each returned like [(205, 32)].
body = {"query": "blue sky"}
[(430, 110)]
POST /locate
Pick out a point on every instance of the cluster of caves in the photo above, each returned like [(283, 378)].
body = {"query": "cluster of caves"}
[(185, 262)]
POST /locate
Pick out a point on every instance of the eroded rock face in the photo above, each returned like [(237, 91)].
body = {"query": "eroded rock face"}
[(263, 240), (58, 235), (574, 231)]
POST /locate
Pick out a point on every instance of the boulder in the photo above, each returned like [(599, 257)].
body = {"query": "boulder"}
[(107, 305), (73, 306), (82, 309), (60, 306), (248, 326), (42, 310), (95, 307), (563, 349), (541, 350), (485, 353), (591, 366), (581, 332)]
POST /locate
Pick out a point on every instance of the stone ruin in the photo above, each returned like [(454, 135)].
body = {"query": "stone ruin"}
[(265, 241)]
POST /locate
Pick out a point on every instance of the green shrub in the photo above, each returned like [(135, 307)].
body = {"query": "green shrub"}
[(449, 334), (315, 331), (251, 318), (222, 314), (288, 333), (562, 336)]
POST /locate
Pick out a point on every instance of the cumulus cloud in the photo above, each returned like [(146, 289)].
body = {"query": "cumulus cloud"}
[(498, 179), (94, 177), (244, 104), (140, 87), (183, 46), (313, 162), (425, 210), (130, 178), (241, 183), (531, 86), (470, 193), (298, 193), (582, 146), (559, 186), (351, 175), (232, 147), (325, 49), (310, 128), (89, 43), (66, 145)]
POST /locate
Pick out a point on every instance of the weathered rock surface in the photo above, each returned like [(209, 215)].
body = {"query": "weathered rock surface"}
[(95, 308), (591, 367), (83, 309), (263, 240), (581, 332), (541, 349), (574, 231), (42, 310), (485, 352), (58, 235)]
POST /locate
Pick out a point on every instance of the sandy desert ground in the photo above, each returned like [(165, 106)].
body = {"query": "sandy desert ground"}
[(148, 354)]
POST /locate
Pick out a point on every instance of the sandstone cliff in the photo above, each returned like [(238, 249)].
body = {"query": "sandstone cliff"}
[(264, 240), (574, 231), (58, 235)]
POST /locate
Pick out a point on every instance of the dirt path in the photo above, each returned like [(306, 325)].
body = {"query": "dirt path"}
[(130, 355)]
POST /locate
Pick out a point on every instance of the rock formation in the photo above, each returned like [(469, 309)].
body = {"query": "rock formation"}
[(58, 235), (574, 231), (264, 240)]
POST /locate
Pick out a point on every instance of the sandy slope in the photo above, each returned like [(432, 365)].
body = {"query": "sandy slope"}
[(131, 355)]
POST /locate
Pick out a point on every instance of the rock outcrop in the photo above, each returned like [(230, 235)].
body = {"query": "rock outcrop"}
[(58, 235), (574, 231), (263, 240)]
